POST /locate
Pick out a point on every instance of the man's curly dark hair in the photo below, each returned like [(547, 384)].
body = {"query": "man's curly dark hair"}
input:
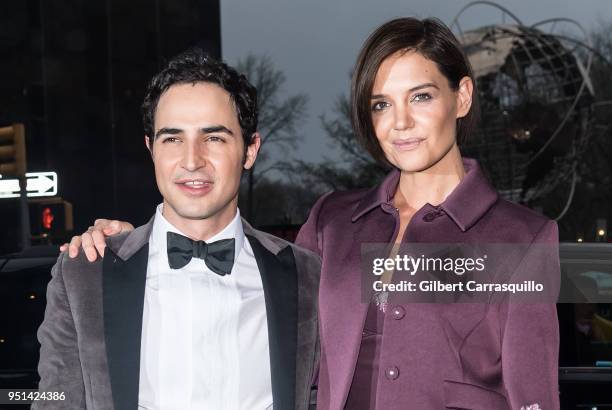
[(194, 66)]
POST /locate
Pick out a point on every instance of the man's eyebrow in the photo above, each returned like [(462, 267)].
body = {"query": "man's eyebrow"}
[(204, 130), (413, 89), (171, 131), (216, 128)]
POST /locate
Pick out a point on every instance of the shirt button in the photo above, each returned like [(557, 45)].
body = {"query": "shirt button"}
[(392, 373), (398, 312)]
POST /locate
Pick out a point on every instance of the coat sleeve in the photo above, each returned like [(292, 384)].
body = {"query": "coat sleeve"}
[(310, 235), (59, 366), (311, 238), (530, 331)]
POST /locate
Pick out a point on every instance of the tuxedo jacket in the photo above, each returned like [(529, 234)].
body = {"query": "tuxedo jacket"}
[(91, 334)]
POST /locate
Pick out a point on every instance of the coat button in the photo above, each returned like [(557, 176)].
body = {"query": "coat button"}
[(430, 216), (388, 208), (392, 373), (398, 312)]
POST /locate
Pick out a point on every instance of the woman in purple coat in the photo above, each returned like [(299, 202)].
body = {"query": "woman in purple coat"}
[(413, 99)]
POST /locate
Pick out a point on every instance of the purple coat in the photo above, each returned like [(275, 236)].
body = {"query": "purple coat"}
[(472, 356)]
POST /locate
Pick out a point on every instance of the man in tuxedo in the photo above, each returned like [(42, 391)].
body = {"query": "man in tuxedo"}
[(195, 309)]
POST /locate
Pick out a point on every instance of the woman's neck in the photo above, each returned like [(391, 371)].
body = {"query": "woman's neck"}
[(432, 185)]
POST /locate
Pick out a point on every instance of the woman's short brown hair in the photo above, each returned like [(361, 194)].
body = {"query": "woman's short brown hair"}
[(433, 40)]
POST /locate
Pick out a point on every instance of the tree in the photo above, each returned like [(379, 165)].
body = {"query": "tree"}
[(355, 169), (278, 117), (280, 202)]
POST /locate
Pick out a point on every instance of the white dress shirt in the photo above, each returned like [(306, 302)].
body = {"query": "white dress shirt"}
[(204, 336)]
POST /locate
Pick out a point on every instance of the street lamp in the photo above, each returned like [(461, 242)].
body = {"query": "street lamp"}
[(601, 229)]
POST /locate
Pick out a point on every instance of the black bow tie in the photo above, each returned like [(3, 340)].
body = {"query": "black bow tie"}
[(218, 255)]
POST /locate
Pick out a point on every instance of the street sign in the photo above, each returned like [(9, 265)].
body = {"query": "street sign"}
[(38, 184)]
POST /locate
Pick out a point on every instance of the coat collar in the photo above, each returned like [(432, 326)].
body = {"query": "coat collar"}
[(465, 205), (126, 245)]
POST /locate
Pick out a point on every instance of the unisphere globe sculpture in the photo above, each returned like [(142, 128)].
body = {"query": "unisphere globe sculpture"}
[(536, 103)]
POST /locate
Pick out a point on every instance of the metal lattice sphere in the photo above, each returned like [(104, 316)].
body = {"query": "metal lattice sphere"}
[(536, 104)]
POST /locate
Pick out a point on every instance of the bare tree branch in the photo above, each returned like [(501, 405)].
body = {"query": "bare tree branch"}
[(278, 117), (356, 170)]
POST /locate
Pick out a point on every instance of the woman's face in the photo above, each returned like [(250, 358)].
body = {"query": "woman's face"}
[(414, 111)]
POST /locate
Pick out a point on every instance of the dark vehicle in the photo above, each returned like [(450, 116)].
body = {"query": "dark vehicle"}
[(585, 360), (23, 284)]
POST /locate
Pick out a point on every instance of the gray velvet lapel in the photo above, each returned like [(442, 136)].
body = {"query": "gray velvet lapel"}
[(123, 286), (262, 238), (124, 246)]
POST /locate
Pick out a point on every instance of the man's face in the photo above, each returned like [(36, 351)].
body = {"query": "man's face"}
[(198, 153)]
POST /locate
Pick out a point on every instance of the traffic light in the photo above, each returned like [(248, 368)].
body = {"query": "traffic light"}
[(12, 151), (51, 218), (47, 218)]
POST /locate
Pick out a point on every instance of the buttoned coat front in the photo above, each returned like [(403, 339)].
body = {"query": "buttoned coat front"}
[(435, 356)]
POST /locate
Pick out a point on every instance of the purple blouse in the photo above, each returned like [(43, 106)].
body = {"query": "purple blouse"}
[(362, 394)]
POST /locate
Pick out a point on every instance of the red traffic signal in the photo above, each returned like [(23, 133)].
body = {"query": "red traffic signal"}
[(47, 218), (50, 217)]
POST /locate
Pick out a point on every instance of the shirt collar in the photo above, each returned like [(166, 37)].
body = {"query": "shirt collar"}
[(465, 205), (161, 225)]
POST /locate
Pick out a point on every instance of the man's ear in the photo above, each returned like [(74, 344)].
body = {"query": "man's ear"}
[(148, 144), (252, 150), (464, 96)]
